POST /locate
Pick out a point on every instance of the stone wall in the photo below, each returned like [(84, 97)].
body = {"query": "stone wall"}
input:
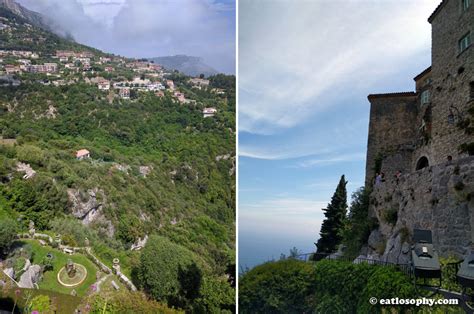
[(392, 122), (451, 73), (439, 198), (402, 128)]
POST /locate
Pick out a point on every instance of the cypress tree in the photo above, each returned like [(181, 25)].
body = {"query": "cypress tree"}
[(335, 213)]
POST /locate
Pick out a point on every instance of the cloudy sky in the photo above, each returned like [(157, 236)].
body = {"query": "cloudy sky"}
[(149, 28), (305, 70)]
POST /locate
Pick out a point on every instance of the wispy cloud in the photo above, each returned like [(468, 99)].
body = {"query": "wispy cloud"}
[(296, 67), (330, 160), (269, 152)]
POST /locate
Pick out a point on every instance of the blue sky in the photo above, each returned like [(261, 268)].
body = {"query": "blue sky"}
[(305, 70), (149, 28)]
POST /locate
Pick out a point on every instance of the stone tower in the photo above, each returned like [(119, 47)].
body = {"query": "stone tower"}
[(428, 135), (412, 130)]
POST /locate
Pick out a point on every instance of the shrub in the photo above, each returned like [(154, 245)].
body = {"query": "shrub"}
[(284, 286), (73, 231), (292, 286), (41, 304), (8, 230), (390, 216), (69, 240), (385, 283), (216, 296), (161, 269), (30, 154), (342, 279), (124, 302), (354, 284)]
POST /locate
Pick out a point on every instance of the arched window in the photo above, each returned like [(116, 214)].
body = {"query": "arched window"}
[(422, 163)]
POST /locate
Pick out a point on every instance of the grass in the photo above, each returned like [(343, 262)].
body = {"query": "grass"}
[(106, 286), (50, 281), (107, 254), (64, 303)]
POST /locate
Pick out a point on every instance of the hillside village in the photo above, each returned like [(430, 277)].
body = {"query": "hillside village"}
[(106, 161), (118, 76)]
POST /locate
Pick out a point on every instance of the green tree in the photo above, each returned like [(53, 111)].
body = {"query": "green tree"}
[(335, 213), (8, 230), (160, 271), (358, 224)]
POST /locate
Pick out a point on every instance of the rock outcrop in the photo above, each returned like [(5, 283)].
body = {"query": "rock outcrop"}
[(30, 277), (139, 244), (26, 168), (439, 198), (88, 208), (145, 170)]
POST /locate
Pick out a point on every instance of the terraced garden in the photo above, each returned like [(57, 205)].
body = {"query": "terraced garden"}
[(59, 260)]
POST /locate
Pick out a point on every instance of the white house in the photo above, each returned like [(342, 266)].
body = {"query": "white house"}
[(209, 112), (103, 85)]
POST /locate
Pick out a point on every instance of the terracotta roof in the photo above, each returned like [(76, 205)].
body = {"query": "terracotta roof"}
[(438, 8), (391, 95), (427, 70), (82, 152)]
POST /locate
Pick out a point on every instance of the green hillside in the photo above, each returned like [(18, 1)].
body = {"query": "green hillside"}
[(156, 166)]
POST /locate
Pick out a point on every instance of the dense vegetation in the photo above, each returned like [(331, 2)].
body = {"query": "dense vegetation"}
[(358, 225), (285, 286), (292, 286), (156, 167), (177, 276)]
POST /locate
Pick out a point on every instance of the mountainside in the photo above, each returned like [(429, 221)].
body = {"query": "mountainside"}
[(117, 153), (32, 17), (193, 66)]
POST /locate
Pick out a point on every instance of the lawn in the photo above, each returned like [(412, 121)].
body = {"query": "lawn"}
[(50, 281), (106, 286), (65, 304)]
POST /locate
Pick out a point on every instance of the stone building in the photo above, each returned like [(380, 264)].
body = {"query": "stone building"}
[(427, 134), (412, 130)]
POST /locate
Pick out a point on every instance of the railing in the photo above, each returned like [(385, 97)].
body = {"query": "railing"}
[(315, 257), (449, 270)]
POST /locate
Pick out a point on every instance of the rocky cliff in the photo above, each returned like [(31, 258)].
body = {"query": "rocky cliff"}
[(439, 198)]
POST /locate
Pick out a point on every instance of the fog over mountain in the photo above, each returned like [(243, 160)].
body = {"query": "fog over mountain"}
[(146, 28)]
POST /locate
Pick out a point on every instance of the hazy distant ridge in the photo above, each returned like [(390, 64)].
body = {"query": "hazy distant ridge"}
[(188, 65)]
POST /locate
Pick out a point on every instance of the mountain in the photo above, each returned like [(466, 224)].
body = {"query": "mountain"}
[(34, 18), (94, 147), (193, 66)]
